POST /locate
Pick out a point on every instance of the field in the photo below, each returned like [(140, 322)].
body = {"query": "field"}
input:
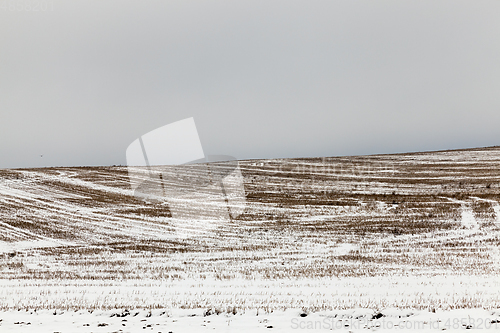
[(411, 236)]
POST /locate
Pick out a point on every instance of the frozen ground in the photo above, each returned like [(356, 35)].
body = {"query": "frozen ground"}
[(196, 320), (165, 320), (414, 236)]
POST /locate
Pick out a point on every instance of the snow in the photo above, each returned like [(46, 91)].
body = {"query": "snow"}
[(165, 320), (429, 291), (24, 245), (288, 267)]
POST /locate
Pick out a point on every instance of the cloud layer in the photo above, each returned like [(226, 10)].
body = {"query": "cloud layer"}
[(262, 79)]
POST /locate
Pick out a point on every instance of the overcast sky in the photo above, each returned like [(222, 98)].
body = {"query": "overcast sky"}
[(82, 80)]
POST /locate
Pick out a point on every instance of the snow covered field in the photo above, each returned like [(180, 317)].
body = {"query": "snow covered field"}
[(367, 239), (197, 320)]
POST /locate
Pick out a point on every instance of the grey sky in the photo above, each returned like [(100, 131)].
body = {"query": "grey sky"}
[(262, 79)]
